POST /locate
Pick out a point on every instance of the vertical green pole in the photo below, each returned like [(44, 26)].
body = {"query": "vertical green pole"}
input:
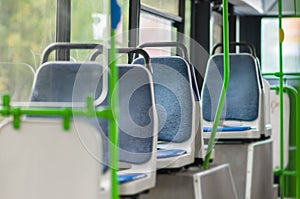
[(113, 127), (281, 38), (224, 87), (115, 15)]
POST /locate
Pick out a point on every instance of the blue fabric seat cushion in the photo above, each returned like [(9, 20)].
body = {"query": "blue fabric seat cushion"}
[(123, 178), (165, 153), (226, 129)]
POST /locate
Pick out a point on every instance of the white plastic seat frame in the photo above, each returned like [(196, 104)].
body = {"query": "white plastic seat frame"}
[(275, 112), (42, 160), (149, 167), (189, 144), (261, 126)]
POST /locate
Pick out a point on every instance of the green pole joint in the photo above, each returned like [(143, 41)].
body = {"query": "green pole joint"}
[(16, 112), (224, 87), (90, 109), (66, 118), (105, 113)]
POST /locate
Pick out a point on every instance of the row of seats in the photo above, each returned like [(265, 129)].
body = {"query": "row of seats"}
[(243, 137), (72, 82), (61, 83), (160, 122)]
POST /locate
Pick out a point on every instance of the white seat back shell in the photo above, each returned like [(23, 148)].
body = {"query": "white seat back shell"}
[(41, 160)]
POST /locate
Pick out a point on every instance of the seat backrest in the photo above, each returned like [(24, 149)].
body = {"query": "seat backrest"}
[(243, 95), (137, 122), (174, 98), (41, 160), (68, 82), (137, 117)]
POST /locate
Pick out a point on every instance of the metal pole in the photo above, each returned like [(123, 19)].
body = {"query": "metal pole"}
[(63, 27), (113, 127), (115, 15), (281, 38), (225, 84)]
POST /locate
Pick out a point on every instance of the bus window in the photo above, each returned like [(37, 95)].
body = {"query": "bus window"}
[(89, 25), (153, 28), (291, 45), (16, 79), (86, 18), (168, 6), (216, 32), (163, 20), (26, 28)]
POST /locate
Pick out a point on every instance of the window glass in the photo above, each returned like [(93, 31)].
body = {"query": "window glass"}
[(270, 46), (26, 28), (89, 21), (88, 25), (187, 22), (16, 79), (216, 25), (156, 29), (169, 6), (216, 31)]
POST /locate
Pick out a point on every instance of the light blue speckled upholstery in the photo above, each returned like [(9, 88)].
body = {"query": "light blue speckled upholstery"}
[(173, 97), (242, 99)]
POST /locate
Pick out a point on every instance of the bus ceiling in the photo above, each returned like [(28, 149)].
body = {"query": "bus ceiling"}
[(265, 7)]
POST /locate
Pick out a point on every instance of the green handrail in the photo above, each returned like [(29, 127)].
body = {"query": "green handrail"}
[(66, 113), (281, 38), (224, 87), (284, 74), (113, 126), (115, 17), (285, 172), (297, 106)]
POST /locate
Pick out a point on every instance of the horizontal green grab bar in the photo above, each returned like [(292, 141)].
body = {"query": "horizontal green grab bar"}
[(66, 113), (277, 74), (285, 76), (285, 172)]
